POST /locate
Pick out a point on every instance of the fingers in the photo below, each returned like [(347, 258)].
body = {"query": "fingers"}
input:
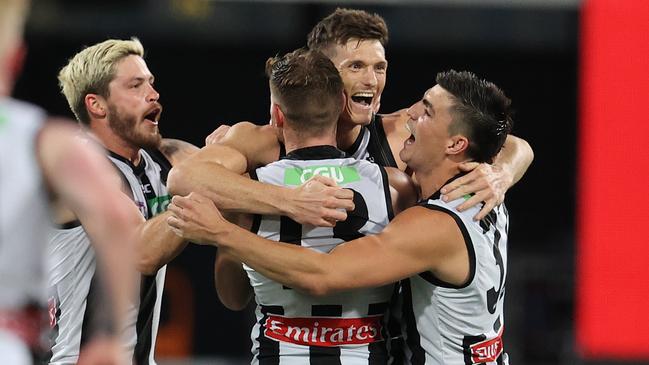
[(473, 200), (344, 194), (183, 202), (324, 180), (468, 166), (488, 206), (176, 225), (343, 199), (335, 215), (472, 187)]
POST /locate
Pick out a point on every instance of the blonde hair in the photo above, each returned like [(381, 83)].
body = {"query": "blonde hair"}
[(91, 70), (13, 14)]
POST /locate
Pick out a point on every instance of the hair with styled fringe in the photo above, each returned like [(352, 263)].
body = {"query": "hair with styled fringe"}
[(481, 112), (91, 70), (345, 24)]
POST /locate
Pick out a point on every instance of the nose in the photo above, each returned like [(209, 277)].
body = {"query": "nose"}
[(369, 78), (414, 111), (153, 95)]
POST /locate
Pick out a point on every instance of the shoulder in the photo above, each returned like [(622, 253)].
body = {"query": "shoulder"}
[(259, 144), (251, 130), (429, 234), (176, 150)]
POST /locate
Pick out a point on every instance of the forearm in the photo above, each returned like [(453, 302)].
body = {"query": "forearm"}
[(515, 157), (292, 266), (227, 189), (156, 245)]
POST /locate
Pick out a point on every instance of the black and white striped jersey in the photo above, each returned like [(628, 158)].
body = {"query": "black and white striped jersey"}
[(77, 300), (372, 144), (25, 222), (345, 328), (451, 325)]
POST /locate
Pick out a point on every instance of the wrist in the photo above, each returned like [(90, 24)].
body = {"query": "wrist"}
[(282, 201)]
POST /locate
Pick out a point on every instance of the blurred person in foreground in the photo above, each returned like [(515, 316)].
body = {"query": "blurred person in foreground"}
[(453, 267), (43, 167)]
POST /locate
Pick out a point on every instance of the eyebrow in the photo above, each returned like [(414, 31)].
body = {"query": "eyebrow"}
[(142, 79), (428, 105)]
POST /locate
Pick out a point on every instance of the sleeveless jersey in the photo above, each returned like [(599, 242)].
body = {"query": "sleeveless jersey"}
[(76, 294), (372, 144), (25, 221), (344, 328), (451, 325)]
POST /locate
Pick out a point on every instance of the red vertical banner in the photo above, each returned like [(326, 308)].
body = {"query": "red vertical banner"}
[(612, 286)]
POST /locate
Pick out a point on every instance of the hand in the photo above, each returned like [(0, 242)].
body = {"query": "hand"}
[(489, 183), (217, 135), (319, 202), (195, 218), (103, 351)]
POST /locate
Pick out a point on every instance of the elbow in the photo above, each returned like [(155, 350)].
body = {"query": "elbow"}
[(234, 302), (316, 288), (233, 305), (147, 265), (176, 181), (530, 152)]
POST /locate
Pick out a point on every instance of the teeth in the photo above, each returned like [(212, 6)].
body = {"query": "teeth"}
[(365, 94), (410, 129)]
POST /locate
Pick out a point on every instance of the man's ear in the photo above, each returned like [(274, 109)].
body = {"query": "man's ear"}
[(277, 116), (96, 106), (457, 144)]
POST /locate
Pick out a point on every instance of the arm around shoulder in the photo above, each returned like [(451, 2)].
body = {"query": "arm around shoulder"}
[(516, 156)]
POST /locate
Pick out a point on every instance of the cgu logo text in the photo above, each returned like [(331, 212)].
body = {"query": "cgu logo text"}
[(321, 331), (341, 174)]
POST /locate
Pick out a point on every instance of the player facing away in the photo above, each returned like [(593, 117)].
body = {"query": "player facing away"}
[(453, 267)]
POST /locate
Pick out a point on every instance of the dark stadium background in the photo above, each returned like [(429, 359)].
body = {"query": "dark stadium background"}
[(208, 59)]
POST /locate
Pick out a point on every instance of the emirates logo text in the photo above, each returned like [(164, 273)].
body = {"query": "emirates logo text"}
[(322, 331)]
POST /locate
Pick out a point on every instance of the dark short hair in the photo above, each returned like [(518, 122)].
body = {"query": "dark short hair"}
[(345, 24), (308, 88), (482, 113)]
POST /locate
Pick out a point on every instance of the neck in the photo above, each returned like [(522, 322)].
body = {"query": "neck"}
[(294, 140), (347, 134), (433, 179), (114, 143)]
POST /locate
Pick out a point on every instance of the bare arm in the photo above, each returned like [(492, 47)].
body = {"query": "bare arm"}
[(83, 180), (157, 244), (215, 171), (230, 279), (176, 150), (401, 250), (489, 183), (515, 157), (403, 191)]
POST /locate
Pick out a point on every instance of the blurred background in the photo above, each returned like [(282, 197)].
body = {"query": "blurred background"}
[(208, 58)]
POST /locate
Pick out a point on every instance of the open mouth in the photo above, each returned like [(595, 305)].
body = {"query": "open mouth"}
[(410, 129), (153, 116), (363, 98)]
